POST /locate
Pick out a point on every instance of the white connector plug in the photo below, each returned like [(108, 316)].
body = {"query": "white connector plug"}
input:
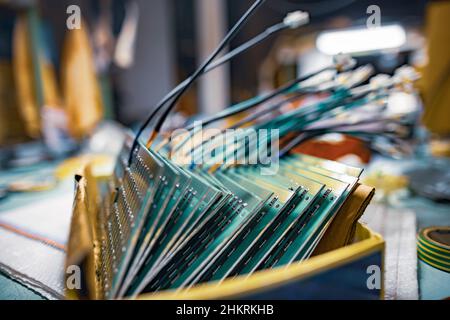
[(344, 62), (296, 19), (406, 74), (381, 81)]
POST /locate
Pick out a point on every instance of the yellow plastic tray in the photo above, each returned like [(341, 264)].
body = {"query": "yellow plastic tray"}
[(368, 247)]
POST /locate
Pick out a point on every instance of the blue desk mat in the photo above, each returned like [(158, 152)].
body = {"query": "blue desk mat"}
[(12, 290), (26, 214)]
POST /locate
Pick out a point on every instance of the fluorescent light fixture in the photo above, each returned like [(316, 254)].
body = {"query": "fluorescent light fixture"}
[(361, 40)]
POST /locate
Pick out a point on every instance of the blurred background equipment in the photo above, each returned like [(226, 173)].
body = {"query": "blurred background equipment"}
[(433, 183)]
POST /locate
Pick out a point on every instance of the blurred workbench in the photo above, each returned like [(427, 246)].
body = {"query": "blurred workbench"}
[(34, 227)]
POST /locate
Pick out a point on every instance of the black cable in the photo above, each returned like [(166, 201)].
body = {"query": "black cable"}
[(247, 45), (231, 34), (224, 59), (177, 95)]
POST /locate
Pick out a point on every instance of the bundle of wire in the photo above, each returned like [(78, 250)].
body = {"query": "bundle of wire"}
[(169, 224), (346, 108)]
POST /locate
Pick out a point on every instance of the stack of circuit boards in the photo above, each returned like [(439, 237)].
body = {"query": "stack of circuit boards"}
[(169, 227)]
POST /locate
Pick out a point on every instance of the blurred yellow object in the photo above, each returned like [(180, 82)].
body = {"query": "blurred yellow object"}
[(436, 76), (26, 82), (343, 227), (386, 183), (81, 90), (440, 147), (101, 166), (23, 72), (11, 127)]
